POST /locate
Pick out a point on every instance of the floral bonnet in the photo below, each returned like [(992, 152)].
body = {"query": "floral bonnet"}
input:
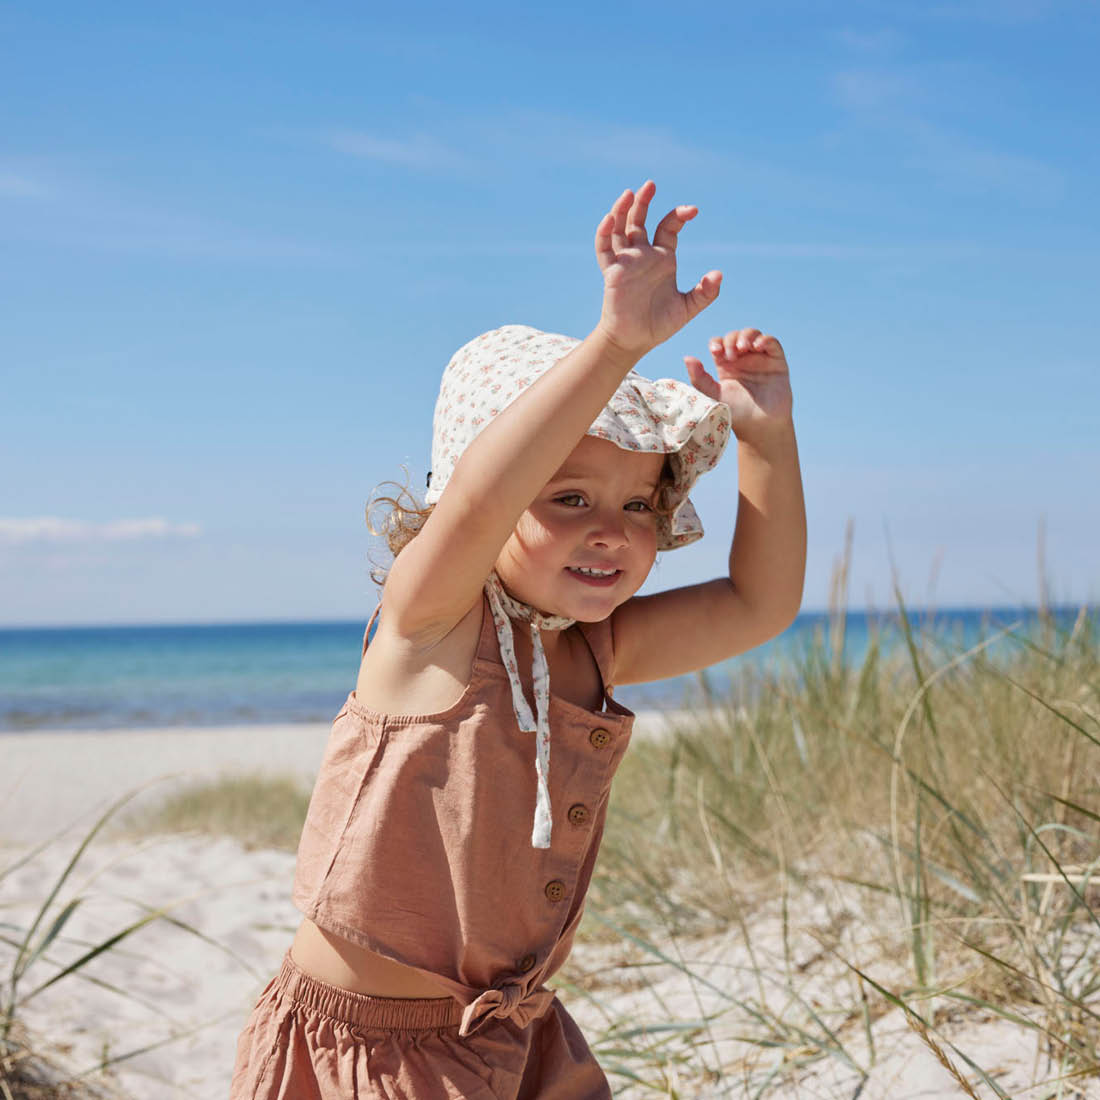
[(663, 416)]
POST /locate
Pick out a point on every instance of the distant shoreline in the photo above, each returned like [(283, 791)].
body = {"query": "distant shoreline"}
[(179, 677), (885, 612)]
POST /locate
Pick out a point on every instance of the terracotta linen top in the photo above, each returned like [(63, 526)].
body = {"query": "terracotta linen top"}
[(416, 844)]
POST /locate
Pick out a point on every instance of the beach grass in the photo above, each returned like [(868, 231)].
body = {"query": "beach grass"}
[(912, 839), (258, 810)]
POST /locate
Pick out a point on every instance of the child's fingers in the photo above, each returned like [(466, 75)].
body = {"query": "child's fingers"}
[(664, 236), (620, 211), (702, 381), (745, 341), (635, 220), (605, 253), (739, 341), (608, 240), (769, 345), (703, 293)]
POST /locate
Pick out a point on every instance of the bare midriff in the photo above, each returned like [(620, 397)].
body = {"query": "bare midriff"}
[(332, 959)]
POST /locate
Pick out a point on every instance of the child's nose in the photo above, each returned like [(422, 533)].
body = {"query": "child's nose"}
[(608, 530)]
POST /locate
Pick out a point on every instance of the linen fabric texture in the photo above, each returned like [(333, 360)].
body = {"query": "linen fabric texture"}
[(664, 416), (416, 846)]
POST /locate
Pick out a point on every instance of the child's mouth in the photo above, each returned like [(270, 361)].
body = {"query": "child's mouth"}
[(600, 578)]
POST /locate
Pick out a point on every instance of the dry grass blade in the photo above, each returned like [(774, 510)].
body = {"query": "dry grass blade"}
[(919, 1026)]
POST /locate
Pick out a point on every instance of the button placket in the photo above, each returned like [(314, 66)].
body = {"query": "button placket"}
[(554, 890)]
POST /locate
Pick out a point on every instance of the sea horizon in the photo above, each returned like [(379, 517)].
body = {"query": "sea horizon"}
[(256, 672), (911, 610)]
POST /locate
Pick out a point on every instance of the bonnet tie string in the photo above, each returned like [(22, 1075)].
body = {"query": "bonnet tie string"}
[(504, 608)]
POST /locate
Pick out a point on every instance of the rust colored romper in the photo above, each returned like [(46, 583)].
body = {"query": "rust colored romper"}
[(417, 845)]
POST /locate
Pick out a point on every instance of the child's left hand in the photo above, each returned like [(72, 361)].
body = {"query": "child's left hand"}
[(753, 381)]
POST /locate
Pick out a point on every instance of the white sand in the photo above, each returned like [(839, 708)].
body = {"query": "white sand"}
[(200, 989), (49, 779)]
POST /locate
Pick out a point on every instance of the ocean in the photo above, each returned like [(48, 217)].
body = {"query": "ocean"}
[(116, 677)]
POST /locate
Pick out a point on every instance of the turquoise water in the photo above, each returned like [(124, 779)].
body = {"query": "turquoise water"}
[(118, 677)]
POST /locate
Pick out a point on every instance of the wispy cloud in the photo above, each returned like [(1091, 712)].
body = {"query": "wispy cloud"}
[(476, 145), (57, 530), (18, 185), (922, 251), (1009, 12), (971, 167), (899, 104), (822, 250), (526, 136), (421, 151), (885, 40), (867, 90), (87, 212)]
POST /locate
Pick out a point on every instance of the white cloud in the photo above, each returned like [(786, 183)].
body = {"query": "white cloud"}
[(56, 530)]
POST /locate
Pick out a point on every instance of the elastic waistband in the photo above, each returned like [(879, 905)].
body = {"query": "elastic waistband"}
[(363, 1010)]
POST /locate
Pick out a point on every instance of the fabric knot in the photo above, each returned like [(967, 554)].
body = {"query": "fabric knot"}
[(504, 608), (506, 1002)]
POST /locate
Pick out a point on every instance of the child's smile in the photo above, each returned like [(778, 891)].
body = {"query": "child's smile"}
[(588, 541), (599, 577)]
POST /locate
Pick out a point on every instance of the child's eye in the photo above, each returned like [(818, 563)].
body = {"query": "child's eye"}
[(639, 506), (572, 500)]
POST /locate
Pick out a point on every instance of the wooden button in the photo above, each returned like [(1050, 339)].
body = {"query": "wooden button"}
[(578, 814), (555, 890), (599, 738), (525, 964)]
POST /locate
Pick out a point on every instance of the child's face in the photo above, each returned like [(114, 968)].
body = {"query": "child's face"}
[(597, 513)]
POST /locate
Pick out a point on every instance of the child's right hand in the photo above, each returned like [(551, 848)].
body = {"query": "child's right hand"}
[(641, 305)]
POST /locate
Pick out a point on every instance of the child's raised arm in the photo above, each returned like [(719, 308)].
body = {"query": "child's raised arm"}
[(439, 576), (685, 629)]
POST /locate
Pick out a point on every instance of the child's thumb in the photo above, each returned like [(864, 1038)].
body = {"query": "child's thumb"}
[(703, 293)]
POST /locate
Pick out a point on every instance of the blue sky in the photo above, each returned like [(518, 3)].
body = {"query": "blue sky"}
[(240, 242)]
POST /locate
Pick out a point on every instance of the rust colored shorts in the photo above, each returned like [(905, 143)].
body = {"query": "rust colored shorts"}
[(308, 1040)]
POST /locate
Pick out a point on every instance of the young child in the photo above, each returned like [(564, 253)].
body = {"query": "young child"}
[(453, 830)]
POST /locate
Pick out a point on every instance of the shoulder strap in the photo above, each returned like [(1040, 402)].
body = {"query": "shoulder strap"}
[(488, 647), (600, 641), (370, 628)]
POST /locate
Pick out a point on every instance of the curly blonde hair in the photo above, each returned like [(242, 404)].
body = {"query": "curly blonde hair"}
[(400, 522), (404, 515)]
